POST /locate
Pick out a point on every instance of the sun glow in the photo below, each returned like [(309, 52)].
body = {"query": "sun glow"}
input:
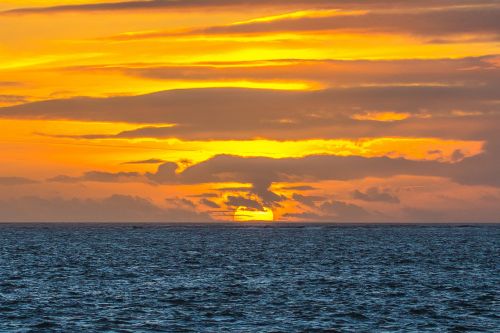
[(245, 214)]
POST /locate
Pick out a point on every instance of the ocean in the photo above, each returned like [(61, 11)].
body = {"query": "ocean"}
[(249, 278)]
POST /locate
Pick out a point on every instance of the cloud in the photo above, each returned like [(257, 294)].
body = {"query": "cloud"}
[(116, 208), (300, 188), (220, 4), (308, 216), (12, 99), (481, 169), (331, 72), (14, 181), (374, 194), (426, 215), (237, 201), (455, 21), (204, 195), (209, 203), (150, 5), (344, 211), (335, 211), (149, 161), (307, 200), (9, 84), (100, 176), (180, 203), (201, 114), (263, 170)]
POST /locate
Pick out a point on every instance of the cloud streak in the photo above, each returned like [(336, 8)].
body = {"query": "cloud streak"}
[(455, 21), (220, 4), (116, 208), (234, 113)]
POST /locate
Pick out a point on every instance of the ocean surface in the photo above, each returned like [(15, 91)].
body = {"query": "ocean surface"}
[(249, 278)]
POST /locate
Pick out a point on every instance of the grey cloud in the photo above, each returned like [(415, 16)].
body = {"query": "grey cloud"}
[(227, 168), (457, 155), (117, 208), (14, 181), (261, 171), (424, 215), (425, 23), (329, 72), (300, 188), (336, 211), (344, 211), (375, 194), (209, 203), (149, 161), (9, 84), (189, 4), (100, 176), (237, 201), (204, 195), (234, 113), (180, 203), (308, 216), (308, 200), (482, 169), (12, 98)]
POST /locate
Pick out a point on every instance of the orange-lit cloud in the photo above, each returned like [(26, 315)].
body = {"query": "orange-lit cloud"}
[(326, 110)]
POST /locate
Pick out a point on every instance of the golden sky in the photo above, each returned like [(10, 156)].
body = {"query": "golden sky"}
[(207, 110)]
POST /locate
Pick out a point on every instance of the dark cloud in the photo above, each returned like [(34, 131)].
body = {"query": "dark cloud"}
[(329, 72), (100, 176), (9, 84), (14, 99), (263, 170), (344, 211), (206, 4), (204, 195), (375, 194), (455, 21), (482, 169), (180, 203), (117, 208), (424, 215), (14, 181), (209, 203), (457, 155), (237, 201), (308, 200), (335, 211), (149, 161), (234, 113), (308, 216), (300, 188)]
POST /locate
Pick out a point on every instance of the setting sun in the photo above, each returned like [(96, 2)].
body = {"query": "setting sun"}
[(290, 111), (245, 214)]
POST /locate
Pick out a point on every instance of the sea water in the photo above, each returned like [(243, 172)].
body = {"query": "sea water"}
[(249, 278)]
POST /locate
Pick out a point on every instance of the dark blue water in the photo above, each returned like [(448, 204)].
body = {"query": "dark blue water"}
[(105, 278)]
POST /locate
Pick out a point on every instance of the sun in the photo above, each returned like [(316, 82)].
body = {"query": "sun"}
[(244, 214)]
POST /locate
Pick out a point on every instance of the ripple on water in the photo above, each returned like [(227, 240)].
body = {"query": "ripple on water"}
[(122, 278)]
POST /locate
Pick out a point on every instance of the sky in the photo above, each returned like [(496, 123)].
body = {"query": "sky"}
[(237, 110)]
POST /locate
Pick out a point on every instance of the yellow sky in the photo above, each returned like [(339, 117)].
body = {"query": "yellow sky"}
[(63, 55)]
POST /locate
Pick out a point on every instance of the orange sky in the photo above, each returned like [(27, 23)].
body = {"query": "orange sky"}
[(341, 111)]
